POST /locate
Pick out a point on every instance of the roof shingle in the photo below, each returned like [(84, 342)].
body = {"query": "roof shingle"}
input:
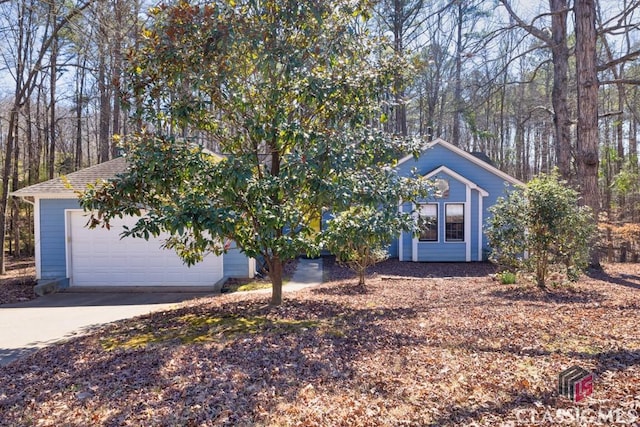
[(78, 180)]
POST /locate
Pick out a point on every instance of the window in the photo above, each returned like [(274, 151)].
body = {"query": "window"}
[(428, 221), (454, 223)]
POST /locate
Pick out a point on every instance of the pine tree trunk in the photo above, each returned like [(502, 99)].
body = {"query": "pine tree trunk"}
[(561, 115), (80, 78), (52, 111), (587, 129), (457, 90), (104, 142)]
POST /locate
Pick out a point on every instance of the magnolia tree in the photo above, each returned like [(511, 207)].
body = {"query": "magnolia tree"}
[(289, 92), (541, 228)]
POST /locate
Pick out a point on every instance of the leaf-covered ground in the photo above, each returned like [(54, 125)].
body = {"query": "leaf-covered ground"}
[(17, 285), (406, 351)]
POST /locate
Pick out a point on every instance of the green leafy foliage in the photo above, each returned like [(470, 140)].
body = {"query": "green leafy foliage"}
[(507, 277), (359, 238), (289, 92), (541, 228)]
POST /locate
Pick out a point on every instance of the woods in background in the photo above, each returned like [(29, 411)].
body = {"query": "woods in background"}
[(533, 87)]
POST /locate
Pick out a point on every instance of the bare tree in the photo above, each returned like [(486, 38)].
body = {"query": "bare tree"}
[(403, 19), (25, 77), (557, 43)]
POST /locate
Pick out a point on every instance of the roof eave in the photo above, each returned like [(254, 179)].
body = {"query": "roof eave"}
[(44, 195), (492, 169)]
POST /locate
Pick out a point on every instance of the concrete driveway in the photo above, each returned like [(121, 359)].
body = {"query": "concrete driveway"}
[(27, 326)]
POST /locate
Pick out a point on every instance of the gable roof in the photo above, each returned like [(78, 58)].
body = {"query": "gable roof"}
[(65, 186), (473, 159), (76, 181)]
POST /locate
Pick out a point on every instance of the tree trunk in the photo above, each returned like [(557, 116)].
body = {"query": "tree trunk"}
[(80, 75), (105, 111), (457, 91), (15, 208), (633, 143), (116, 75), (6, 178), (633, 213), (560, 57), (33, 149), (275, 274), (52, 111), (398, 84), (587, 129)]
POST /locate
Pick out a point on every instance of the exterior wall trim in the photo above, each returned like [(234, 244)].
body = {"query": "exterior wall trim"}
[(36, 234), (68, 242), (480, 225), (414, 240), (400, 242), (468, 156), (467, 225)]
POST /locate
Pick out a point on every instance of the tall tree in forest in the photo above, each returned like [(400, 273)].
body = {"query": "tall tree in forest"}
[(587, 155), (467, 16), (457, 90), (53, 82), (403, 19), (290, 92), (433, 65), (557, 43), (25, 77), (104, 89)]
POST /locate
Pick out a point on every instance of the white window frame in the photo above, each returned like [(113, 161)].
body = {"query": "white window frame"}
[(465, 222), (437, 224)]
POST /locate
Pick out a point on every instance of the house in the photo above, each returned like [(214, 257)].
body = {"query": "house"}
[(69, 254), (452, 221)]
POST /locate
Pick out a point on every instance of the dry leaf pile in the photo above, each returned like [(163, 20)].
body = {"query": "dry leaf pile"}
[(454, 349), (17, 285)]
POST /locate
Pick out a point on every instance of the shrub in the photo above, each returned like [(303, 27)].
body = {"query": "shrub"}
[(507, 277), (359, 237), (540, 228)]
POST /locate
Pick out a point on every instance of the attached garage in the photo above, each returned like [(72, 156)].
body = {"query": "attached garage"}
[(99, 257), (74, 256)]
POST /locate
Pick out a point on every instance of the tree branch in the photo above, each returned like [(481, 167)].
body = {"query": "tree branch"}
[(628, 57), (534, 31), (620, 81)]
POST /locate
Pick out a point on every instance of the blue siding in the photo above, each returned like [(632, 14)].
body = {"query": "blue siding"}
[(235, 263), (438, 155), (441, 252), (474, 225), (392, 250), (53, 262), (406, 237), (432, 159)]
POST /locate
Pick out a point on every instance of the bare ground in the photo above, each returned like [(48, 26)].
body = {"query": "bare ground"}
[(456, 348)]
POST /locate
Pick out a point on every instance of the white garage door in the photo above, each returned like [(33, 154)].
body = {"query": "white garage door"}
[(98, 257)]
